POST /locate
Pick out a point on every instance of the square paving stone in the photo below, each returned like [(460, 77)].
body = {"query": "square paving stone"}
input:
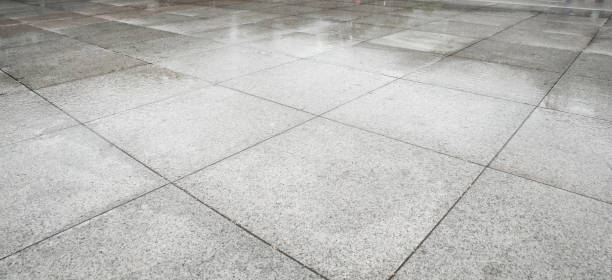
[(59, 179), (67, 66), (592, 65), (182, 134), (492, 79), (99, 96), (349, 204), (583, 96), (302, 45), (564, 150), (425, 41), (320, 86), (461, 124), (551, 59), (225, 63), (164, 223), (167, 47), (537, 38), (458, 28), (389, 61), (507, 227), (25, 115)]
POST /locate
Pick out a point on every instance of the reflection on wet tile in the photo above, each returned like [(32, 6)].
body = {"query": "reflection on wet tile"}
[(225, 63), (205, 24), (19, 35), (95, 97), (390, 61), (558, 27), (59, 25), (492, 79), (114, 34), (392, 21), (486, 18), (427, 12), (565, 150), (291, 10), (509, 226), (461, 124), (204, 126), (600, 46), (63, 178), (372, 9), (543, 39), (457, 28), (570, 19), (335, 15), (300, 44), (358, 31), (204, 12), (424, 41), (581, 95), (240, 33), (25, 115), (167, 47), (311, 25), (593, 66), (319, 87), (550, 59), (363, 201), (157, 19)]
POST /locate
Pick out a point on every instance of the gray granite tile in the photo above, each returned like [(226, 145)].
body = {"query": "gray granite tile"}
[(558, 27), (240, 33), (335, 15), (121, 35), (302, 45), (59, 179), (203, 126), (61, 24), (392, 20), (358, 31), (167, 47), (201, 25), (301, 24), (425, 41), (461, 124), (103, 95), (581, 95), (551, 59), (592, 65), (21, 34), (493, 79), (543, 39), (372, 9), (167, 222), (458, 28), (291, 10), (8, 84), (68, 66), (155, 19), (204, 12), (347, 203), (31, 53), (511, 228), (319, 88), (389, 61), (600, 46), (576, 19), (428, 12), (225, 63), (25, 115), (486, 18), (565, 150)]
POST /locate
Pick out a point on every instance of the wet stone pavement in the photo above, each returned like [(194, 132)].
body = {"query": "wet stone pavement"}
[(305, 139)]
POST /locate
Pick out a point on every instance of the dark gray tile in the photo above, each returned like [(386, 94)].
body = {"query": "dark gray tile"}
[(347, 203), (59, 179), (21, 34), (167, 222), (565, 150), (506, 227)]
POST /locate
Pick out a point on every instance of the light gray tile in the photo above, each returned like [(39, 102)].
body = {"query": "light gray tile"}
[(57, 180), (392, 20), (581, 95), (428, 12), (493, 79), (349, 204), (592, 65), (390, 61), (511, 228), (167, 47), (21, 34), (319, 88), (565, 150), (425, 41), (157, 18), (31, 53), (600, 46), (25, 115), (558, 27), (291, 10), (127, 35), (358, 31), (372, 9), (301, 24), (335, 15), (576, 19), (99, 96), (551, 59), (8, 84), (240, 33), (489, 18), (66, 66), (458, 28), (182, 134), (302, 45), (201, 25), (59, 25), (165, 223), (543, 39), (204, 12), (461, 124), (225, 63)]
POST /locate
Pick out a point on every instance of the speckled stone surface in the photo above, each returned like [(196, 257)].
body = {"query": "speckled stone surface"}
[(582, 95), (347, 203), (511, 228), (182, 238), (565, 150)]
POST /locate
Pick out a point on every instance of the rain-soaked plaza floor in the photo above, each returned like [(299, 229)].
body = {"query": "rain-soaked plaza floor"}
[(292, 139)]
